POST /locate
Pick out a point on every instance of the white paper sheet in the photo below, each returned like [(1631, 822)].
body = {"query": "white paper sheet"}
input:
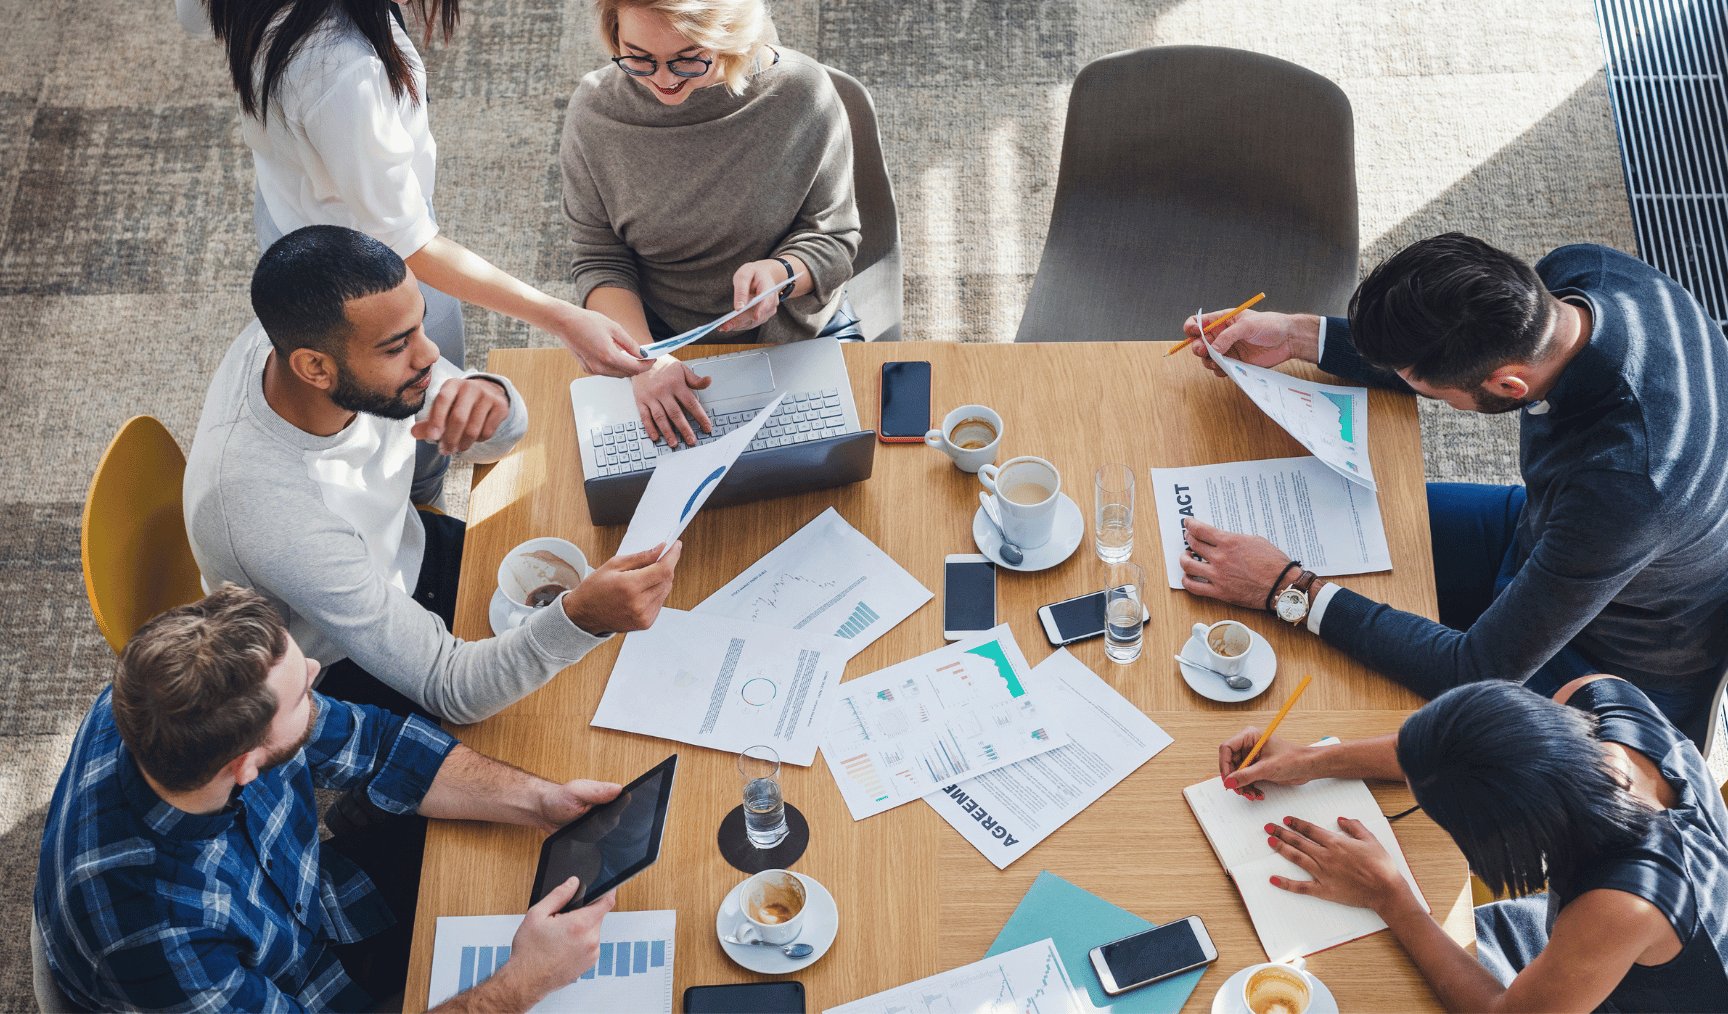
[(1331, 421), (1304, 508), (678, 341), (682, 482), (1025, 980), (828, 578), (1006, 812), (633, 973), (723, 683), (903, 732)]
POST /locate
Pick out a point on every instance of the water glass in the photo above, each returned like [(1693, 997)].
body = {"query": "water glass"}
[(1123, 612), (764, 806), (1113, 514)]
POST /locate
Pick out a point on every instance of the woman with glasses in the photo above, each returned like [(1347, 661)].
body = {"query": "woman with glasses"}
[(334, 97), (706, 166)]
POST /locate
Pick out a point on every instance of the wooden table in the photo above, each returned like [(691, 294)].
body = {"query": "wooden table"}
[(914, 897)]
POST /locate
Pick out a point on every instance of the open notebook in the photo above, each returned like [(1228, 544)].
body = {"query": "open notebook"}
[(1290, 925)]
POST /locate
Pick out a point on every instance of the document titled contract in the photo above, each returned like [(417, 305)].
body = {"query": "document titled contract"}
[(1331, 421), (826, 578), (1025, 980), (1299, 505), (723, 683), (903, 732), (1006, 812), (682, 482)]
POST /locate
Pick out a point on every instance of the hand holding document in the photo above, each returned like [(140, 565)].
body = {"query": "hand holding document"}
[(633, 973), (678, 341), (682, 482)]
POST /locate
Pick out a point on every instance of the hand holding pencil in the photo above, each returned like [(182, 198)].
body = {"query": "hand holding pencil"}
[(1255, 337), (1253, 756)]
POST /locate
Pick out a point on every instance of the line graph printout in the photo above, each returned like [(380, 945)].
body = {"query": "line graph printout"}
[(827, 577), (1025, 980), (723, 683), (903, 732), (1330, 421), (633, 973)]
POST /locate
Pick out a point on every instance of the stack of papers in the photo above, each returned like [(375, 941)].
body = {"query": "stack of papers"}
[(633, 973)]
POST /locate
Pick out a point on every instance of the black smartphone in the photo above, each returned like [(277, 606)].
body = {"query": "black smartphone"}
[(783, 997), (1153, 954), (905, 402), (1077, 619), (968, 595)]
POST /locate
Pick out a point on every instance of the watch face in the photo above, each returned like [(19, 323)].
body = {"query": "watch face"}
[(1292, 605)]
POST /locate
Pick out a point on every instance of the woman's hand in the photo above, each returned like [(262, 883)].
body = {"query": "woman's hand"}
[(1351, 868), (1280, 763), (758, 277), (598, 342), (666, 401)]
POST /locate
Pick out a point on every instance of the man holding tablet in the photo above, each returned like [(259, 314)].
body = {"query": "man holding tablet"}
[(181, 866)]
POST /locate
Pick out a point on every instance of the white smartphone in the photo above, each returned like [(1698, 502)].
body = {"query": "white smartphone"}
[(1153, 954), (1077, 619), (968, 595)]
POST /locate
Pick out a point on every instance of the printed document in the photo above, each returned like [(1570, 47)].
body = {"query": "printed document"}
[(1332, 422), (723, 683), (1291, 925), (682, 482), (903, 732), (827, 577), (678, 341), (633, 974), (1006, 812), (1025, 980), (1304, 508)]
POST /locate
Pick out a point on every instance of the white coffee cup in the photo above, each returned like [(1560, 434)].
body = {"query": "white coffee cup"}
[(1237, 639), (970, 435), (1278, 988), (1025, 521), (535, 573), (773, 902)]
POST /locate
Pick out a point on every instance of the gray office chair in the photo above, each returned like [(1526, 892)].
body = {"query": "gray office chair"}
[(1717, 721), (877, 288), (1195, 176), (49, 996)]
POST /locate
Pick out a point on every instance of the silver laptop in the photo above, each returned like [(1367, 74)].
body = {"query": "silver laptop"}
[(812, 441)]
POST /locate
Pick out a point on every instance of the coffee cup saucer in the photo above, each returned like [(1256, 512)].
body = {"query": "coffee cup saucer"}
[(821, 923), (1229, 998), (1260, 666), (1067, 531), (503, 614)]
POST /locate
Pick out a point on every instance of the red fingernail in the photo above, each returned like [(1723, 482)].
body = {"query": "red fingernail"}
[(1229, 783), (1270, 828), (1272, 842), (1274, 881)]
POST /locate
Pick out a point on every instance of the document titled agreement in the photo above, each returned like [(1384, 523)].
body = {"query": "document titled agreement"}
[(1308, 510)]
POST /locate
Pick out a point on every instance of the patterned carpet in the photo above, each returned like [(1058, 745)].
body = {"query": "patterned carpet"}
[(126, 237)]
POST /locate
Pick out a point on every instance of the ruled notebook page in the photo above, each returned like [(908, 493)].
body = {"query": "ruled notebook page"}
[(1291, 925)]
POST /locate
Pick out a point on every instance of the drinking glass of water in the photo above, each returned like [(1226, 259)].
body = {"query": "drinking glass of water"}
[(1113, 515), (1123, 612), (764, 806)]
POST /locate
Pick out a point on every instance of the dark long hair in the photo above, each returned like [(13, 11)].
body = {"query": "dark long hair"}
[(1519, 782), (277, 28)]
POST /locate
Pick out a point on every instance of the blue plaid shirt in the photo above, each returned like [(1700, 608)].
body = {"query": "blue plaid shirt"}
[(146, 907)]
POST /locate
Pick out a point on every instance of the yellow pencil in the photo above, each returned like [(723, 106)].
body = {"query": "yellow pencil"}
[(1285, 710), (1189, 341)]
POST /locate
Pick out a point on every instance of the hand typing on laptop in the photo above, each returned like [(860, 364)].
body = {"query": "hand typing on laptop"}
[(666, 401)]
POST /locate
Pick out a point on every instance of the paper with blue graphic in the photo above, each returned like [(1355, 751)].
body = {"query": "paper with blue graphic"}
[(678, 341), (633, 972), (682, 482)]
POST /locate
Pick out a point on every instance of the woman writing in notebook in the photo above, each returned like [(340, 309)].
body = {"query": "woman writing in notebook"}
[(708, 164), (1594, 794)]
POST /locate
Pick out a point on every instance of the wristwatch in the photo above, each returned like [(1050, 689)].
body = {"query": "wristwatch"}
[(1293, 601)]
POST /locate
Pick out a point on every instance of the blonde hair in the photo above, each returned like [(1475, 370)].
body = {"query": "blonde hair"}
[(735, 31)]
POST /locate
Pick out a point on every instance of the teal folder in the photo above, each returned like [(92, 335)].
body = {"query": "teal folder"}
[(1079, 921)]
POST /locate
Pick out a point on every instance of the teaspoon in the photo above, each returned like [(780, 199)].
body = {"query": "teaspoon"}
[(790, 950), (1011, 553), (1233, 682)]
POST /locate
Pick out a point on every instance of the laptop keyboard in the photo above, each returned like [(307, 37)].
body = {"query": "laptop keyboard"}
[(810, 415)]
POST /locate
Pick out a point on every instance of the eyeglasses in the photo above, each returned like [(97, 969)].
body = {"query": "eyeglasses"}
[(643, 66)]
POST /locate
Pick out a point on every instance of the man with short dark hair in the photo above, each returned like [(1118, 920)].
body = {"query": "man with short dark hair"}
[(181, 867), (1613, 556), (298, 486)]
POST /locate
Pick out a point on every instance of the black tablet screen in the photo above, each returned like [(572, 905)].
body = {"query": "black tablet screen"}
[(610, 843)]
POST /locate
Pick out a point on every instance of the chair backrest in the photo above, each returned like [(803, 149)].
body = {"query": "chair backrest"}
[(137, 560), (1717, 723), (1195, 176), (877, 288), (49, 996)]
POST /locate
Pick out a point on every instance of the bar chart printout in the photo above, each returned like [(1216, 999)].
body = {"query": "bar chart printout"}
[(1025, 980), (633, 973)]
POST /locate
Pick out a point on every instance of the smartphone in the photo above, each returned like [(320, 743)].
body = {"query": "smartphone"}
[(968, 595), (905, 414), (1153, 954), (782, 997), (1077, 619)]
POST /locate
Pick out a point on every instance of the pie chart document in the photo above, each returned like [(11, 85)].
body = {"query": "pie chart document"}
[(725, 683)]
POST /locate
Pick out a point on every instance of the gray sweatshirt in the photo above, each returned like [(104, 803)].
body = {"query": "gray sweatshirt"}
[(669, 202), (322, 527)]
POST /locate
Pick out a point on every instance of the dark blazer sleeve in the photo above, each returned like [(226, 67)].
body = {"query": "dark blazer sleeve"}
[(1342, 360)]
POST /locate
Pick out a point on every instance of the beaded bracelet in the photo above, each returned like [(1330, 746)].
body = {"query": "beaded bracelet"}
[(1275, 584)]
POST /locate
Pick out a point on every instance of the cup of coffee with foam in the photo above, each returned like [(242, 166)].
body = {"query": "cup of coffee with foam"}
[(970, 435), (1278, 988), (773, 904), (535, 573), (1026, 489)]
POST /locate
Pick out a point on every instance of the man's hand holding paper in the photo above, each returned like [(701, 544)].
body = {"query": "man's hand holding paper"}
[(1259, 339)]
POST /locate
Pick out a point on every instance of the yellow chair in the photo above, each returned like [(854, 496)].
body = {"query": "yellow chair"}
[(137, 560)]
